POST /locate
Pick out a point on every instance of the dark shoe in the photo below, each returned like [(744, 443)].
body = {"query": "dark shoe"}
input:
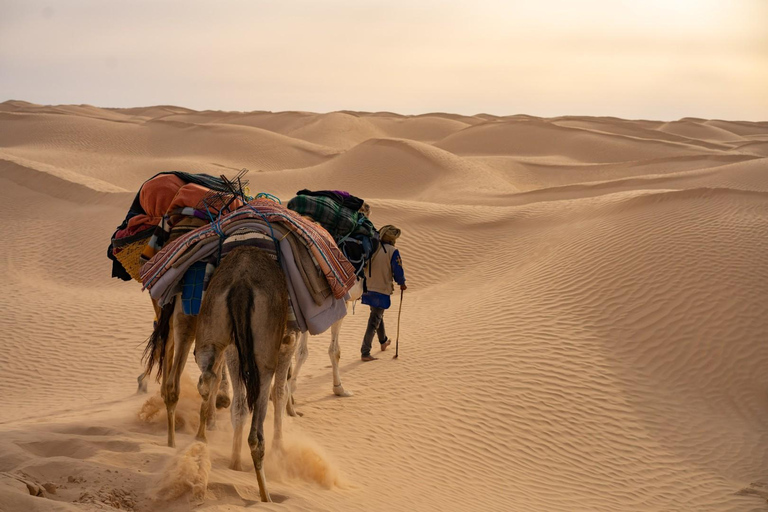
[(386, 344), (368, 358)]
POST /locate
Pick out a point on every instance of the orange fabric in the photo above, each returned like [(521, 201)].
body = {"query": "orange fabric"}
[(156, 197), (167, 192), (191, 195)]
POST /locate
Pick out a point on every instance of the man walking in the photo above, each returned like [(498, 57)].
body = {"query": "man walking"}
[(385, 266)]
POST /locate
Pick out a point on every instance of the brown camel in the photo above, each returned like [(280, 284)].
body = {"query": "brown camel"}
[(243, 321)]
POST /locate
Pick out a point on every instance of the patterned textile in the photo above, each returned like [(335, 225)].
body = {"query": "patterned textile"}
[(340, 196), (353, 231), (339, 273), (340, 221)]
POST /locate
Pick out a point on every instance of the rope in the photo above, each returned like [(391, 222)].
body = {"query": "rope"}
[(267, 195)]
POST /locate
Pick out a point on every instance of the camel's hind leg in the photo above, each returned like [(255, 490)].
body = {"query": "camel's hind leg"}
[(334, 352), (256, 436), (209, 359), (183, 335), (222, 396), (239, 407), (287, 348), (302, 353)]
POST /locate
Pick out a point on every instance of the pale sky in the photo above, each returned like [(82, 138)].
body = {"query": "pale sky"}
[(650, 59)]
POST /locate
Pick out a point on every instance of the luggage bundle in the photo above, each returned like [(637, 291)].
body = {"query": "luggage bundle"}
[(180, 225), (342, 215), (166, 206)]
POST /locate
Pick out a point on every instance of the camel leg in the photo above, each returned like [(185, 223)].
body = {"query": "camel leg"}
[(287, 347), (207, 361), (290, 402), (222, 397), (239, 408), (334, 352), (302, 353), (256, 436), (169, 351), (214, 393), (183, 337)]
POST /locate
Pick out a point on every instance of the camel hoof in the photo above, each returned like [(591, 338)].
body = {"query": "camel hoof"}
[(236, 467), (340, 391), (223, 401)]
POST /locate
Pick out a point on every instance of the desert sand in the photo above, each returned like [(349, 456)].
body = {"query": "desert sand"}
[(584, 328)]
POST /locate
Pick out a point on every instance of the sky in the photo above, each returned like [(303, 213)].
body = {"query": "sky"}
[(636, 59)]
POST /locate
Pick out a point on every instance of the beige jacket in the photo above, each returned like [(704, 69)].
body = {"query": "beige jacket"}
[(378, 276)]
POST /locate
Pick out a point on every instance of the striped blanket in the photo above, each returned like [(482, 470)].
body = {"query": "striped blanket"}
[(339, 273)]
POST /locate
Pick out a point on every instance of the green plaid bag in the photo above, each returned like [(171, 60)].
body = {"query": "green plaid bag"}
[(341, 222)]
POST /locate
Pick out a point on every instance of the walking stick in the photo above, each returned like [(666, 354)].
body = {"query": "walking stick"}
[(397, 341)]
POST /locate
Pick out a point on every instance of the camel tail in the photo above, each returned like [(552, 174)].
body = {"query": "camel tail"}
[(240, 306), (155, 350)]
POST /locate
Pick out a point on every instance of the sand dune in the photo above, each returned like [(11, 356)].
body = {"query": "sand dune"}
[(418, 128), (544, 139), (699, 130), (533, 174), (584, 327), (379, 165), (742, 128), (127, 153), (336, 129), (632, 129)]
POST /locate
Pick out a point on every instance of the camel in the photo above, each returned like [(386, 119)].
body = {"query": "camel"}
[(334, 352), (246, 306), (171, 340)]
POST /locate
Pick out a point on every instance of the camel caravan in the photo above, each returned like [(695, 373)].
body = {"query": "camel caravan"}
[(245, 279)]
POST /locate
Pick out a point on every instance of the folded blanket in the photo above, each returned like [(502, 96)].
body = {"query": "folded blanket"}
[(310, 270)]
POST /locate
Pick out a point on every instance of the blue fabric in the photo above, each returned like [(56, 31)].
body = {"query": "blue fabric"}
[(397, 267), (376, 300), (192, 288)]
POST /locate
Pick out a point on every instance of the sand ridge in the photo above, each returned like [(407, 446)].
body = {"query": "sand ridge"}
[(583, 330)]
